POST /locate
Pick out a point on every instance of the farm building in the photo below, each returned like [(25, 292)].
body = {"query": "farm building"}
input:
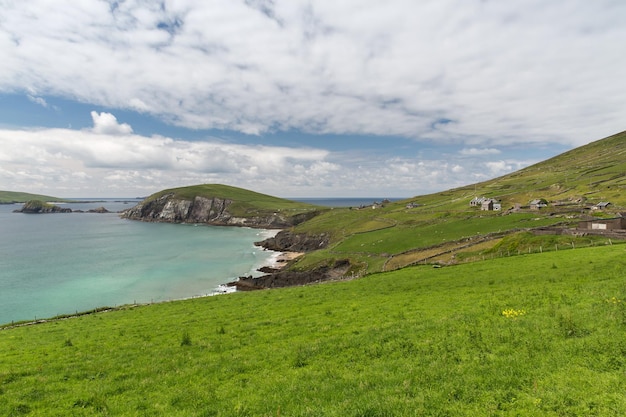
[(486, 204), (601, 205), (489, 204), (616, 223), (538, 204)]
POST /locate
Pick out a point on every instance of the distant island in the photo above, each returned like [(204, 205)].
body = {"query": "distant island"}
[(38, 206)]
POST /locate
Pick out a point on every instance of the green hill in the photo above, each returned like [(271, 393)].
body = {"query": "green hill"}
[(591, 173), (443, 228), (10, 197), (221, 205), (244, 202)]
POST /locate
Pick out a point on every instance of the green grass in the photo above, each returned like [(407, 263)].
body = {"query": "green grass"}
[(400, 239), (419, 341), (594, 172), (9, 197), (369, 241)]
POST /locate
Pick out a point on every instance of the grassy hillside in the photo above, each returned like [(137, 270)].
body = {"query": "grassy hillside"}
[(538, 334), (9, 197), (245, 202), (442, 227), (592, 173)]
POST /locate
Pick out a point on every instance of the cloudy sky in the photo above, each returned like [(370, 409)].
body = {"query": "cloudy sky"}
[(300, 98)]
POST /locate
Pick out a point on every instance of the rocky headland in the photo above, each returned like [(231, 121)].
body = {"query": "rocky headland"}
[(208, 210)]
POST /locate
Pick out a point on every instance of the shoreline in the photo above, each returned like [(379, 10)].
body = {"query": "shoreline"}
[(274, 260), (278, 261), (281, 259)]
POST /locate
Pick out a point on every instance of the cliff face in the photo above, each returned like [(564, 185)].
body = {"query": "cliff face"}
[(287, 241), (290, 278), (212, 211)]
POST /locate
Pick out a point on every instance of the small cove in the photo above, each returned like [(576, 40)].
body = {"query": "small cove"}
[(52, 264)]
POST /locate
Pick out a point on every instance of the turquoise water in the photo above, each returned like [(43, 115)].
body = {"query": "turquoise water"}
[(53, 264)]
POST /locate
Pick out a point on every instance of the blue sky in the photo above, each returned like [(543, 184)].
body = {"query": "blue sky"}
[(299, 98)]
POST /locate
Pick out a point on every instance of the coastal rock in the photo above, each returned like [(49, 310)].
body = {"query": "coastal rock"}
[(287, 241), (291, 278), (164, 208), (37, 206), (101, 210)]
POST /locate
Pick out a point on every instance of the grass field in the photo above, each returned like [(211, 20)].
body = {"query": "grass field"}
[(529, 335)]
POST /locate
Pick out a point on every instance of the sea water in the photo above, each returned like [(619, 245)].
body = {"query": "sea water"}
[(62, 263)]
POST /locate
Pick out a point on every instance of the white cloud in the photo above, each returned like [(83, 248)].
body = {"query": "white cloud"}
[(109, 158), (37, 100), (484, 73), (106, 123), (479, 151), (80, 163)]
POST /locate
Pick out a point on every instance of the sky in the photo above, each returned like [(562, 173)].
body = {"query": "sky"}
[(324, 98)]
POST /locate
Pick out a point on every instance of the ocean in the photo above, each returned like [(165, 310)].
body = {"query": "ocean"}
[(63, 263)]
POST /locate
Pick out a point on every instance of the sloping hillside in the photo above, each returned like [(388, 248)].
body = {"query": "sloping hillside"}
[(592, 173), (443, 228)]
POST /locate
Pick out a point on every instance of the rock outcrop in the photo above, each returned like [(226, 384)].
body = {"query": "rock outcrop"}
[(99, 210), (214, 211), (37, 206), (291, 278), (288, 241)]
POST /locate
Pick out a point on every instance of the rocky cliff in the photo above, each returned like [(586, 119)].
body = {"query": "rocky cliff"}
[(288, 241), (214, 211), (279, 279)]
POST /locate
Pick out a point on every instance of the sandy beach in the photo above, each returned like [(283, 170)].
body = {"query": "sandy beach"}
[(283, 258)]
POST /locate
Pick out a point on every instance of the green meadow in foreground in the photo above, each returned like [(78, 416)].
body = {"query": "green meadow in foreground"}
[(539, 334)]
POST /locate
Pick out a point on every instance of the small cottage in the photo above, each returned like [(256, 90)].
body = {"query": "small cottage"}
[(538, 204), (489, 204), (601, 205)]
